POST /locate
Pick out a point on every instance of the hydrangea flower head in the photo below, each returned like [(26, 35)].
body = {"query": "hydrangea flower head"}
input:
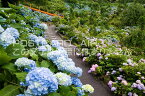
[(6, 39), (55, 43), (13, 32), (26, 63), (63, 63), (110, 83), (76, 82), (88, 88), (63, 79), (44, 26), (78, 71), (113, 88), (99, 54), (56, 54), (32, 37), (45, 48), (40, 41), (41, 81), (80, 92)]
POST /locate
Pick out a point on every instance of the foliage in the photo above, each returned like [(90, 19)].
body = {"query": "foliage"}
[(132, 14), (136, 39)]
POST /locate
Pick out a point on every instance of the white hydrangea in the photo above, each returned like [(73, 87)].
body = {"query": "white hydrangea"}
[(44, 26), (6, 39), (63, 79), (13, 32), (88, 88), (24, 62)]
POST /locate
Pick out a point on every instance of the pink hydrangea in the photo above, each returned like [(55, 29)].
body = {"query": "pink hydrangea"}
[(124, 82)]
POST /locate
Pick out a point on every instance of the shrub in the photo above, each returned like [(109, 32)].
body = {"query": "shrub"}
[(132, 14), (136, 39)]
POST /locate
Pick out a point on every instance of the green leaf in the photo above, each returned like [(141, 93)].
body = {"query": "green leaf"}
[(3, 14), (45, 63), (1, 77), (15, 50), (54, 94), (71, 93), (10, 90), (33, 55), (2, 19), (21, 76), (38, 64), (64, 90), (43, 54), (4, 58), (53, 69), (10, 67), (16, 25)]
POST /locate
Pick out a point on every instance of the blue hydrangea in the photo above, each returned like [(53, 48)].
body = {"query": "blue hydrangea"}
[(37, 25), (25, 63), (6, 39), (54, 55), (75, 70), (42, 48), (63, 63), (61, 60), (32, 37), (76, 82), (41, 81), (80, 92), (63, 79), (78, 71), (40, 41), (45, 48), (13, 32), (55, 43), (1, 29)]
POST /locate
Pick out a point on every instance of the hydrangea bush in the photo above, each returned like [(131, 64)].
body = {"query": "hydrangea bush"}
[(104, 41), (30, 73)]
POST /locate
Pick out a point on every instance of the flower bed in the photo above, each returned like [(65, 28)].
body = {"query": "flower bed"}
[(111, 47)]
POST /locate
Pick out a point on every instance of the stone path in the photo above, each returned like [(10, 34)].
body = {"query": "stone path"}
[(100, 88)]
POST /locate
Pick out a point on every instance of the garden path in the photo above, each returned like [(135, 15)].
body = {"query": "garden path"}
[(101, 89)]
